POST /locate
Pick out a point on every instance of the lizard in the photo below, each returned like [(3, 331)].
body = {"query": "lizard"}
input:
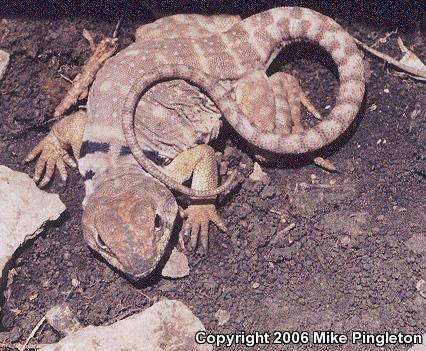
[(128, 214)]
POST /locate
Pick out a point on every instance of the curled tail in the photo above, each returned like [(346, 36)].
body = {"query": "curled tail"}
[(266, 33)]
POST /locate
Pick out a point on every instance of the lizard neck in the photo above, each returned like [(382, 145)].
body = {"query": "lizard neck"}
[(102, 178)]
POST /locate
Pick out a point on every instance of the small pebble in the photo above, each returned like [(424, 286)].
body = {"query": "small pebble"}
[(4, 62), (32, 296), (222, 317), (255, 285), (66, 256), (257, 173), (421, 287)]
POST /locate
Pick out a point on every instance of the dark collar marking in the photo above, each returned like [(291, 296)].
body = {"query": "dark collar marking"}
[(90, 147), (125, 150), (152, 155)]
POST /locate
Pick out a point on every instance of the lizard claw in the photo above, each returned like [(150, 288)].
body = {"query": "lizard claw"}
[(196, 227), (52, 154)]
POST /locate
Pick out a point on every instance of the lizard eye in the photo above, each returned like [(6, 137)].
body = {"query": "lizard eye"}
[(100, 242), (158, 222)]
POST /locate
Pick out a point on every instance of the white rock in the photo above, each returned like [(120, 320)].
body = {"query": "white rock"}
[(24, 211), (421, 287), (166, 326), (421, 347), (177, 265), (4, 62), (61, 318), (257, 174), (222, 317), (417, 243)]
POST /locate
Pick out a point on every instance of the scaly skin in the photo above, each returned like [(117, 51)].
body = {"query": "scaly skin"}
[(276, 27), (122, 205)]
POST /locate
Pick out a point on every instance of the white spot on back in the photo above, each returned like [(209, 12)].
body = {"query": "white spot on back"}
[(132, 52), (124, 89), (105, 86)]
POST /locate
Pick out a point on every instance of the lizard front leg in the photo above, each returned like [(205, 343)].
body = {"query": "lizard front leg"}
[(53, 148), (200, 162)]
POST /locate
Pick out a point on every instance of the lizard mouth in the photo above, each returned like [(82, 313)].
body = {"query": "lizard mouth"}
[(134, 270)]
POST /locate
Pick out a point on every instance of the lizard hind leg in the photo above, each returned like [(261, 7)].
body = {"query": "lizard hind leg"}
[(274, 104), (296, 97), (265, 108)]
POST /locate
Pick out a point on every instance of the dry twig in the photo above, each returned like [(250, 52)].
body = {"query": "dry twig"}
[(80, 85), (114, 34), (415, 73), (34, 331), (325, 164)]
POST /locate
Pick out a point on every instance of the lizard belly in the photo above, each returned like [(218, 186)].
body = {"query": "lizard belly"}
[(170, 118)]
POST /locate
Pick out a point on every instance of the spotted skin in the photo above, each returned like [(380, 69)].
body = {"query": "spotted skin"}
[(125, 208), (218, 68)]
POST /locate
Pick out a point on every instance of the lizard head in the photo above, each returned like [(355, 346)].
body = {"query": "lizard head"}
[(128, 220)]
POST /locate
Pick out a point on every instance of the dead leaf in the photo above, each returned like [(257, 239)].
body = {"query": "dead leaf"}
[(10, 276), (33, 296)]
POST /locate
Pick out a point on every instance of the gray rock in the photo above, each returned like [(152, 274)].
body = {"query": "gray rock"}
[(4, 62), (25, 210), (166, 326), (177, 265), (257, 175), (417, 243), (421, 347), (62, 319)]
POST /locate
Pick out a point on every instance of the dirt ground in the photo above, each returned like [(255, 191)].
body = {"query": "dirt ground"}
[(345, 265)]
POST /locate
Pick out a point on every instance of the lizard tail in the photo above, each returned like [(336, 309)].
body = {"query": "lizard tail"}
[(267, 33), (262, 36)]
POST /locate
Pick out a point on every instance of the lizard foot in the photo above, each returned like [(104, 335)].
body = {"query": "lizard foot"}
[(196, 227), (52, 154)]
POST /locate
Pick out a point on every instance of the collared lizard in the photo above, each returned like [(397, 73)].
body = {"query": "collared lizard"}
[(128, 215)]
